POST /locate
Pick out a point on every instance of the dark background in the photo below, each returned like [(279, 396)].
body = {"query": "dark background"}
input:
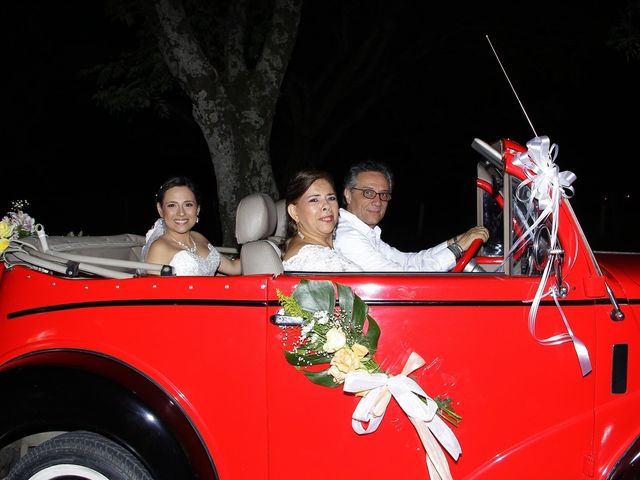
[(82, 169)]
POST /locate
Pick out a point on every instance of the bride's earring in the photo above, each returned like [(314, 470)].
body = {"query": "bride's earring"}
[(298, 232), (197, 219)]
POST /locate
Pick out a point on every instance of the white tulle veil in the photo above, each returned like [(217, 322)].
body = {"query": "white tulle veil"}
[(155, 232)]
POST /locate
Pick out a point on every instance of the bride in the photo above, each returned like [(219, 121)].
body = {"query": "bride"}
[(312, 205), (171, 241)]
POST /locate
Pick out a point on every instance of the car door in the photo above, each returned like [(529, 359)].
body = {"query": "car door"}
[(527, 412), (527, 408)]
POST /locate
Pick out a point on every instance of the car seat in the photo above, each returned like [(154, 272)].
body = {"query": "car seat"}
[(280, 235), (255, 222)]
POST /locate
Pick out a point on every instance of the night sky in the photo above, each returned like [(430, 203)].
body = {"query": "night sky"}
[(437, 87)]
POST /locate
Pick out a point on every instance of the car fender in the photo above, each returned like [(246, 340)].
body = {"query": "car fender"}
[(63, 390)]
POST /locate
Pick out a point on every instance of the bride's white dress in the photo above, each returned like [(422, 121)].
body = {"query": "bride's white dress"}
[(318, 258), (187, 263), (184, 262)]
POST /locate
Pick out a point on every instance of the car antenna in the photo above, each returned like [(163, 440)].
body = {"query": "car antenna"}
[(511, 85)]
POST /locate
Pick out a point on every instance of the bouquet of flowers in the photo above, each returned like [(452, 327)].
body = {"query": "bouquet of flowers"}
[(334, 336), (16, 224), (331, 334)]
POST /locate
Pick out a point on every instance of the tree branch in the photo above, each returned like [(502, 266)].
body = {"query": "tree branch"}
[(234, 47), (277, 50), (182, 53)]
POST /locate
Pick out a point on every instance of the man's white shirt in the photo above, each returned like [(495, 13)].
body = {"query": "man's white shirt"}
[(362, 245)]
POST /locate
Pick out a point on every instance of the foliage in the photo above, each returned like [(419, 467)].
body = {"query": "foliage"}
[(625, 35), (340, 339), (332, 335), (138, 79)]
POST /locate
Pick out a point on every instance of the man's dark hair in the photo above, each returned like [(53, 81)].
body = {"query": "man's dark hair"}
[(369, 165)]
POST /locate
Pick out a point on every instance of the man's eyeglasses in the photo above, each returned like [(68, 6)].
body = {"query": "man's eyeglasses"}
[(368, 193)]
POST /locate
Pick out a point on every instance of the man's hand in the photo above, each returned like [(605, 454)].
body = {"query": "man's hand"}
[(465, 239)]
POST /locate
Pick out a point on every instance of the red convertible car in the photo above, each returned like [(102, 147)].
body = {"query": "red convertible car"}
[(533, 339)]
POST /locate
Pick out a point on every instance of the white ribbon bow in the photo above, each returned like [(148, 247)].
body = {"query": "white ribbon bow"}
[(379, 389), (548, 186)]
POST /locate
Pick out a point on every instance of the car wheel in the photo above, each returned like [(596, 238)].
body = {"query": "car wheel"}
[(79, 455)]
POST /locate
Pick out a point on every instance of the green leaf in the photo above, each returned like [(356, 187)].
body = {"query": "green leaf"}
[(315, 295), (359, 312), (372, 336), (289, 304), (446, 411), (301, 358), (370, 364), (345, 298), (321, 378)]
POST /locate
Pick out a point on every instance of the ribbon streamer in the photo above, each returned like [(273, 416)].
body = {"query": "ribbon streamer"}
[(547, 185), (579, 347), (379, 389)]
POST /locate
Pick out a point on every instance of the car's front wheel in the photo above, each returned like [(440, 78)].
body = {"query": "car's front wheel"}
[(79, 455)]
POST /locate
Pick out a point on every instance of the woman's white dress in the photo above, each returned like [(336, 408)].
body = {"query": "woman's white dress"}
[(184, 262), (187, 263), (318, 258)]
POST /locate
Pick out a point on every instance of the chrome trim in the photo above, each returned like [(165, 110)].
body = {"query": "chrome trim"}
[(616, 313)]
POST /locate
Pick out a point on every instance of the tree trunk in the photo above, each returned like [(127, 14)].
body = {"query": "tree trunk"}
[(235, 108)]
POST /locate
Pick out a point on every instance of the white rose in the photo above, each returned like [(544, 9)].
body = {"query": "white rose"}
[(335, 340), (346, 360), (360, 350)]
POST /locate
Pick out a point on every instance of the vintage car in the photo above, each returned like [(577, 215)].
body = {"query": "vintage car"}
[(534, 340)]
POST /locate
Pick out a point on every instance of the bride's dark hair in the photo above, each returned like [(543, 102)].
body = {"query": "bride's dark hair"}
[(177, 182), (300, 183)]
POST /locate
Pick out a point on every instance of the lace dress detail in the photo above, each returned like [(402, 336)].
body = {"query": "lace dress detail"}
[(318, 258), (183, 262), (187, 263)]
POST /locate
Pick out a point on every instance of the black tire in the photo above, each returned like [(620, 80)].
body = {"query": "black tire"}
[(79, 455)]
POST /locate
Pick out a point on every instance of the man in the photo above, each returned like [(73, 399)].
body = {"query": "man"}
[(367, 192)]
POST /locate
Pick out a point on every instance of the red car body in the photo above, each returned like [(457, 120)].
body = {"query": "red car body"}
[(188, 373)]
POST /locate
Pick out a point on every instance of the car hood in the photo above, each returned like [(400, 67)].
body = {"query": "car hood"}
[(624, 268)]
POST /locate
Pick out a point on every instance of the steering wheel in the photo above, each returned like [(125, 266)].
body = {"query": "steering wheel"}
[(517, 227), (468, 255)]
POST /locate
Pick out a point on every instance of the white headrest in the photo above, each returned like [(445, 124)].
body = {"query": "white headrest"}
[(255, 218), (283, 219)]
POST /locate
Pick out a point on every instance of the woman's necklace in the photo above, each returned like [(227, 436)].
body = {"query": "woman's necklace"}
[(192, 249)]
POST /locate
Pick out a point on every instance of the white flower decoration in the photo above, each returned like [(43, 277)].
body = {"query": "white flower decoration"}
[(336, 339)]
